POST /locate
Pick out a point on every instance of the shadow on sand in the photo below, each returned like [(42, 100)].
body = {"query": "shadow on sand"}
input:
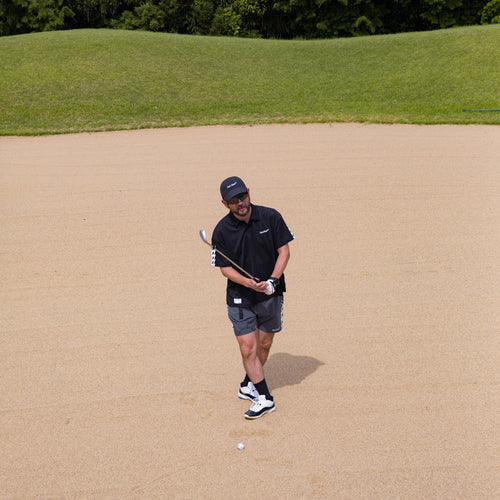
[(284, 369)]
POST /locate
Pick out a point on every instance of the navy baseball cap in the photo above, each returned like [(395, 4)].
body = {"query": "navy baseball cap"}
[(231, 187)]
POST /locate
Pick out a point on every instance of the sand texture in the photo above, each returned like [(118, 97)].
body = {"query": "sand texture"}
[(118, 366)]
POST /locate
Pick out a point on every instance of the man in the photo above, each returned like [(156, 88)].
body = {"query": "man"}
[(257, 239)]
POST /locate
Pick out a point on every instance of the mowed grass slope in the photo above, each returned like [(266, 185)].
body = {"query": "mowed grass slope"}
[(92, 80)]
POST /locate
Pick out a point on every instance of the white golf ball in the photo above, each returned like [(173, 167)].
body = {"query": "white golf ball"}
[(241, 446)]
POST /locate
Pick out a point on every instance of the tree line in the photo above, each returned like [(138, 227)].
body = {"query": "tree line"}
[(248, 18)]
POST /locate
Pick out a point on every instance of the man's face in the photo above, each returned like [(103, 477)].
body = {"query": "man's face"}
[(239, 205)]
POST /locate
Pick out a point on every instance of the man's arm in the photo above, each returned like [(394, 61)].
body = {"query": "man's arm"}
[(279, 269), (281, 261), (236, 277)]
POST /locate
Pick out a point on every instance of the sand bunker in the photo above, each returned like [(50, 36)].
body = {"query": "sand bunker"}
[(118, 367)]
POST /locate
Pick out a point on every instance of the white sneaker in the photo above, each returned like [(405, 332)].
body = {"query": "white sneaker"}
[(248, 392), (261, 406)]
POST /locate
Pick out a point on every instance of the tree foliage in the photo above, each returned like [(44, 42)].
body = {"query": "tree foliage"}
[(249, 18)]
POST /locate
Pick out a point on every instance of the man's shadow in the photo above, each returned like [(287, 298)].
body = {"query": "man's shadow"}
[(284, 369)]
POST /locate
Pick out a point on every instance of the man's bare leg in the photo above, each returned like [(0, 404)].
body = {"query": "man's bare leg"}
[(265, 341), (249, 348)]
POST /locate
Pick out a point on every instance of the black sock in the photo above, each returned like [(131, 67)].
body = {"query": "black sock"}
[(245, 381), (263, 389)]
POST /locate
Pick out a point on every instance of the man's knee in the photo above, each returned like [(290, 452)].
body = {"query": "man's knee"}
[(266, 340), (248, 345)]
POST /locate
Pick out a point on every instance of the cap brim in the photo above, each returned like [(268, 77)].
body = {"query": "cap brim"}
[(233, 192)]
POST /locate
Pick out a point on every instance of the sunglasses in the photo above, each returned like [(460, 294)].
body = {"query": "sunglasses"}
[(237, 199)]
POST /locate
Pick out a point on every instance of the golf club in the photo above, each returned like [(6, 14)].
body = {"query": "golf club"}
[(204, 238)]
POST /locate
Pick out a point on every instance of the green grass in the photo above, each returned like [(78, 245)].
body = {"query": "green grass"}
[(92, 80)]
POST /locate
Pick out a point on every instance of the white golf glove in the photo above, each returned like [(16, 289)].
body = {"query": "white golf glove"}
[(272, 283)]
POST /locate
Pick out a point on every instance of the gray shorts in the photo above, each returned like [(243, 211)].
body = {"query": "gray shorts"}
[(266, 316)]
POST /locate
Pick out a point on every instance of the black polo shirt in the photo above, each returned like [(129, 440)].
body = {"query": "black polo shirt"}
[(253, 246)]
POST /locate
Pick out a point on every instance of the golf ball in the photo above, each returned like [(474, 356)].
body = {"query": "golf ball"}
[(241, 446)]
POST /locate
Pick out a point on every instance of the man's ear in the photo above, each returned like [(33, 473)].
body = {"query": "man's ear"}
[(224, 203)]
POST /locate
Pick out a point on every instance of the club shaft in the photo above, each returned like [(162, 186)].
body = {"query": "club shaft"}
[(236, 265), (204, 238)]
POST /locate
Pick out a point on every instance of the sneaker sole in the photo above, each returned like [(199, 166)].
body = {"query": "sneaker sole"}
[(244, 396), (253, 417)]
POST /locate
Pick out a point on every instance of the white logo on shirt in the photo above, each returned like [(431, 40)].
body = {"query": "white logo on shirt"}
[(265, 231)]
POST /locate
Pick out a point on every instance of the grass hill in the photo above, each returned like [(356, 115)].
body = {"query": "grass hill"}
[(93, 80)]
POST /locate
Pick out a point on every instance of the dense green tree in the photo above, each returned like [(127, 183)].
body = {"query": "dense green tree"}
[(12, 16), (24, 16), (441, 13), (256, 18), (95, 13), (491, 12)]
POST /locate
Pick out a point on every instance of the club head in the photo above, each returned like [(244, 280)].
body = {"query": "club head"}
[(203, 236)]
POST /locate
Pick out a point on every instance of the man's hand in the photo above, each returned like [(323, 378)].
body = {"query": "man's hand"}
[(272, 283), (258, 286)]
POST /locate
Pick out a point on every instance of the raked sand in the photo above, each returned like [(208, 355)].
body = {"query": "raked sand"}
[(118, 366)]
